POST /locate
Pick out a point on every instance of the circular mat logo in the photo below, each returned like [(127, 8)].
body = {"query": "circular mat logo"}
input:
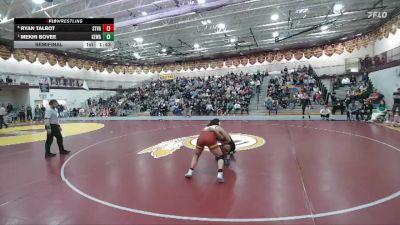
[(243, 142)]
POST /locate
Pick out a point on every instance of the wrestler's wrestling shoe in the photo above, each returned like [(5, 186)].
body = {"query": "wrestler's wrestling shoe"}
[(189, 174), (220, 177)]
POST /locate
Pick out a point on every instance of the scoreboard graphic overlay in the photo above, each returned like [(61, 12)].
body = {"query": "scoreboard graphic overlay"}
[(64, 33)]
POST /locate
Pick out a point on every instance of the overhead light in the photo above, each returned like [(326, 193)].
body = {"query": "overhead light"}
[(38, 1), (138, 39), (201, 1), (136, 55), (359, 34), (337, 8), (164, 50), (90, 16), (302, 10), (324, 28), (275, 17), (343, 38), (221, 26), (144, 13), (275, 34), (232, 40), (208, 21), (196, 46)]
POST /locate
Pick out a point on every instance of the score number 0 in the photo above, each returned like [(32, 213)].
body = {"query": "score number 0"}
[(108, 32), (108, 27)]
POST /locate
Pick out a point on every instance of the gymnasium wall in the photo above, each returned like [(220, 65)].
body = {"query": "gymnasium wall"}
[(24, 67), (14, 96), (73, 98), (322, 65), (387, 44), (386, 81)]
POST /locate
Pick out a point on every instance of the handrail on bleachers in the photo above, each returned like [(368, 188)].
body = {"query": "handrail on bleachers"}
[(320, 85)]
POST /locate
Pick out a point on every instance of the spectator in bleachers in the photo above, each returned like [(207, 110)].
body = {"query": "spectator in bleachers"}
[(187, 109), (337, 83), (38, 113), (60, 110), (3, 113), (29, 113), (325, 112), (274, 107), (353, 109), (43, 111), (346, 81), (268, 102), (89, 102), (9, 108), (379, 114), (353, 80), (367, 62), (236, 107), (209, 108), (258, 85), (22, 114), (9, 80), (377, 60), (244, 108), (366, 110), (396, 102), (229, 107), (375, 98), (305, 104)]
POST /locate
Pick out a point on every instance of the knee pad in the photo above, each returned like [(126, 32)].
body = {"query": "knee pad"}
[(219, 157)]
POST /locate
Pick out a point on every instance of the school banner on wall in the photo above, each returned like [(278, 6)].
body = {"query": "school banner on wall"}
[(44, 84)]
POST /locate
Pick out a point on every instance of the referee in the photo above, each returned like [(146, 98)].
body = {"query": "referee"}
[(53, 129)]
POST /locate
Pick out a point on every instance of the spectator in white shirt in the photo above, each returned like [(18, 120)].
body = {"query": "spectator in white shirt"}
[(325, 112), (209, 108), (258, 85), (236, 107), (346, 81)]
